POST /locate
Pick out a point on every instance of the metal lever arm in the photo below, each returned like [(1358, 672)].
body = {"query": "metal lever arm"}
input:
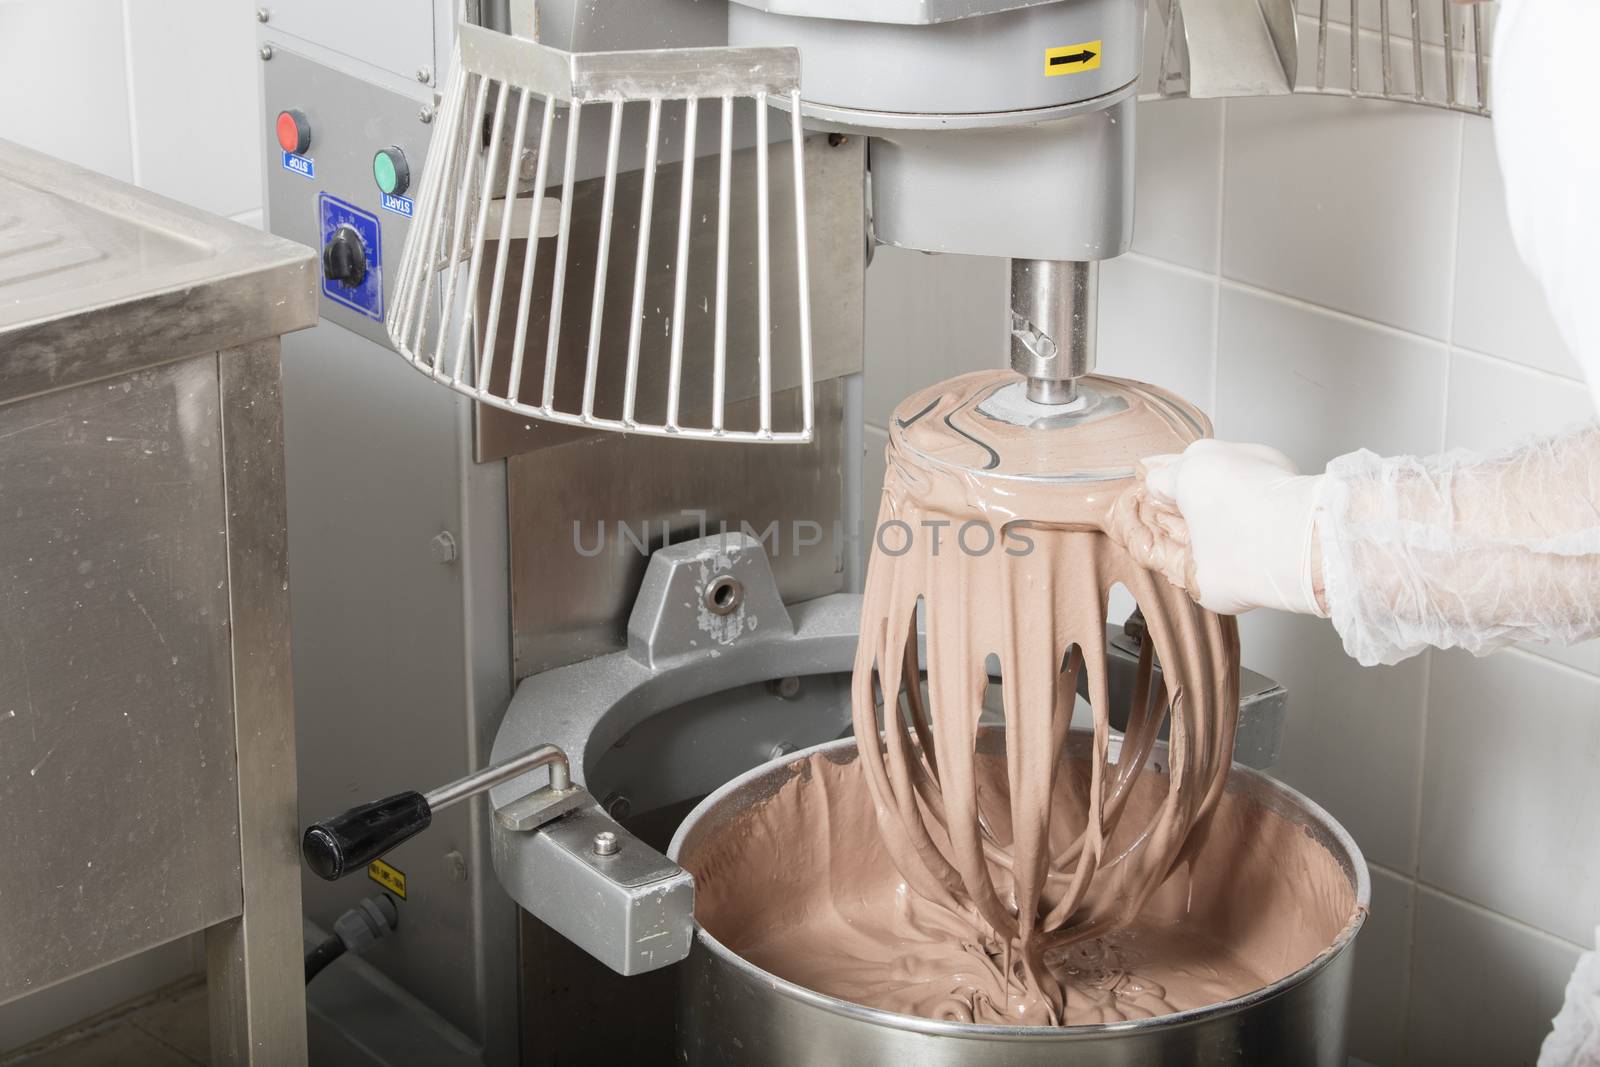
[(352, 839)]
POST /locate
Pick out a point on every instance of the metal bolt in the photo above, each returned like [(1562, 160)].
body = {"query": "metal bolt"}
[(424, 75), (443, 547), (263, 15), (425, 115), (606, 843), (785, 688), (782, 749), (266, 52), (528, 165), (617, 806), (455, 864)]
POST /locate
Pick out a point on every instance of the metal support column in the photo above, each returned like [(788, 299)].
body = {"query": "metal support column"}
[(254, 962)]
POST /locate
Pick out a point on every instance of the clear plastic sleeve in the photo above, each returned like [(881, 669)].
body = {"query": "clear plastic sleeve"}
[(1463, 550)]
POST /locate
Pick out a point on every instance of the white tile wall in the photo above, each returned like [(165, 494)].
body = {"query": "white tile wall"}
[(162, 93), (1351, 284), (1491, 404), (1349, 384), (64, 81), (1178, 181), (1510, 793), (158, 92), (1347, 204), (1353, 738), (1383, 971), (1483, 989), (1156, 324), (196, 125)]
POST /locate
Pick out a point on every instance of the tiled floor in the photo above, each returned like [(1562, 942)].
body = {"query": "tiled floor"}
[(170, 1031)]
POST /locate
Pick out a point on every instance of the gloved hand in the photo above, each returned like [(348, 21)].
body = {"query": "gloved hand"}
[(1230, 523)]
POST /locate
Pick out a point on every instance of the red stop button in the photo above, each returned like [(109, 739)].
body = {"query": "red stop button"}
[(294, 131)]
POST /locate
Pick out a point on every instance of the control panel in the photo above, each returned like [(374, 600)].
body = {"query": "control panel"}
[(352, 256), (342, 155)]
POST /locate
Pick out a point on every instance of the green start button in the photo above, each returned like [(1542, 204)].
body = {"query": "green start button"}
[(390, 171)]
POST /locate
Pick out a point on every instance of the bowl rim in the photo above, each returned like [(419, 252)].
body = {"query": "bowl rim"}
[(990, 1031)]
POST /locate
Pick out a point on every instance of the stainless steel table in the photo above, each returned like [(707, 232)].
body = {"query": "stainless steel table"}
[(147, 761)]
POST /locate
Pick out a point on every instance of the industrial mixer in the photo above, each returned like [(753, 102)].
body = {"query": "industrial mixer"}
[(449, 550)]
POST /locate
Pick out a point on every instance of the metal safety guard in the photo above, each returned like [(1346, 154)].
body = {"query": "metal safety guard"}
[(461, 285)]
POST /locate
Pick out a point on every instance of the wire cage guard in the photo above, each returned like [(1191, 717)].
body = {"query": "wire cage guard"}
[(1429, 52), (461, 273), (1416, 61)]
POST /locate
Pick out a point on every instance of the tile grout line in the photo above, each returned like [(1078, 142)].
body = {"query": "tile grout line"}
[(1450, 309), (43, 1049), (1455, 250), (1415, 878), (1412, 893), (1295, 301), (134, 169), (169, 1046), (1301, 303), (1517, 652), (1411, 889), (1555, 377), (1510, 920), (1426, 695), (1216, 262)]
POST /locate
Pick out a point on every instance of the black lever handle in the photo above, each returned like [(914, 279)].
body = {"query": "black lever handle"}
[(352, 839)]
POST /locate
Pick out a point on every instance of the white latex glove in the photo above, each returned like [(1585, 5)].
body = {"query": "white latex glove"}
[(1231, 523)]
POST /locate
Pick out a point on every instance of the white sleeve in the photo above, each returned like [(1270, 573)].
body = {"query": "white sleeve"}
[(1574, 1039), (1547, 136), (1463, 550)]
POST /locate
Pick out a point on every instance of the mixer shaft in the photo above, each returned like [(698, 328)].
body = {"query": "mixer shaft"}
[(1053, 306)]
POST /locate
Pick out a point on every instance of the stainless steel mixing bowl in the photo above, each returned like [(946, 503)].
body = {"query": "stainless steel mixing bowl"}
[(732, 1012)]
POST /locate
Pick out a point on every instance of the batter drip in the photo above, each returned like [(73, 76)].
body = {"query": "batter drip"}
[(992, 521)]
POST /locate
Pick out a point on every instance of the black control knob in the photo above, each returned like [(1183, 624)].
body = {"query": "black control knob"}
[(344, 258)]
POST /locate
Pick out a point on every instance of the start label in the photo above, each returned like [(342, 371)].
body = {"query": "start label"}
[(1072, 58), (388, 877)]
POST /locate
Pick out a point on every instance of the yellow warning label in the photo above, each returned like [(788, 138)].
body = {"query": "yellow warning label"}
[(1072, 58), (388, 877)]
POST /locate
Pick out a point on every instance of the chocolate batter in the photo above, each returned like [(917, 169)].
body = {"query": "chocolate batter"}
[(803, 887)]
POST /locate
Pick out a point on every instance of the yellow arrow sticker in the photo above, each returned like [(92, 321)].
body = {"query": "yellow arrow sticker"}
[(388, 877), (1072, 58)]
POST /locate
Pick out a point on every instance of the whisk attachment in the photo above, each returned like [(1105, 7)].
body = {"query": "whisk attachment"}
[(993, 531)]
